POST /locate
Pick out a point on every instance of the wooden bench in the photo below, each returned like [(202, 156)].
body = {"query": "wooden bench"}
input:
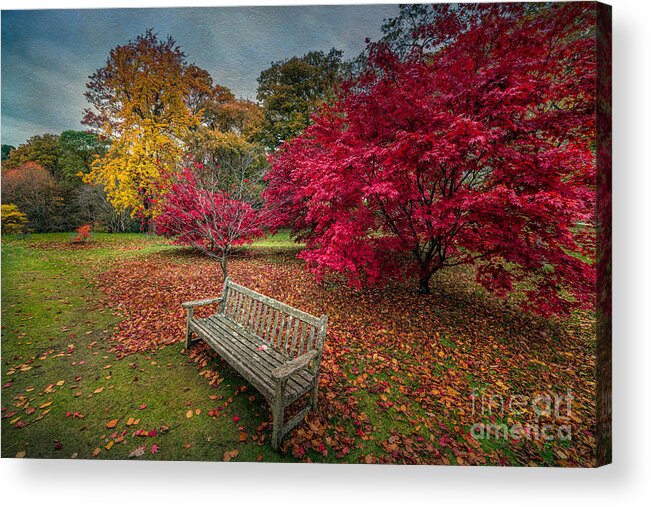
[(275, 347)]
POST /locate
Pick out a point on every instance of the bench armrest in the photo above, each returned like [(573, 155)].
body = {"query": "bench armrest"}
[(200, 302), (286, 370)]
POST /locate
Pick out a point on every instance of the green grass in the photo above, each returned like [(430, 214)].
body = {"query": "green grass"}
[(54, 328), (56, 350), (53, 325), (281, 240)]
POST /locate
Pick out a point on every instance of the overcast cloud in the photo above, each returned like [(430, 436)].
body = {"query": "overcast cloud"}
[(47, 55)]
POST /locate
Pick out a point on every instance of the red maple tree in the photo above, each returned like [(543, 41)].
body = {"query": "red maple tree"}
[(475, 148), (205, 217)]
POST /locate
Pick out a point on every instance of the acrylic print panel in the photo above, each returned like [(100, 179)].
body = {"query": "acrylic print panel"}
[(343, 234)]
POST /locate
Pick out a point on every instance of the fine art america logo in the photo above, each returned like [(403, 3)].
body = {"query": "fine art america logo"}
[(552, 412)]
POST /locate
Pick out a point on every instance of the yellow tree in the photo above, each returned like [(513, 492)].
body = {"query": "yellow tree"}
[(144, 101)]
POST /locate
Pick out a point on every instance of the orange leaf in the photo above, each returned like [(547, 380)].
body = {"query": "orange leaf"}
[(229, 455)]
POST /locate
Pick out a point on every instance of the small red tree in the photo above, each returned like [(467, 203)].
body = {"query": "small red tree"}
[(83, 234), (473, 150), (207, 218)]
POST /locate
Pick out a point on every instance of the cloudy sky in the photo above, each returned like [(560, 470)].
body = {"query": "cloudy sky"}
[(47, 55)]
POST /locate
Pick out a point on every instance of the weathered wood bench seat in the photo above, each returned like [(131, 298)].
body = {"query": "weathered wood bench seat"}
[(275, 347)]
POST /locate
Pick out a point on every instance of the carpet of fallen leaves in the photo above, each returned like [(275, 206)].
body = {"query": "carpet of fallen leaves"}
[(403, 375)]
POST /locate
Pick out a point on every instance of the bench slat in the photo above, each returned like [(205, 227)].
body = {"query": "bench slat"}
[(233, 356), (272, 358), (275, 304), (292, 347), (241, 352), (278, 358)]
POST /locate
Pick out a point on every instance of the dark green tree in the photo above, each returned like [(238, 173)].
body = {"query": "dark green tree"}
[(292, 89), (6, 149), (78, 150)]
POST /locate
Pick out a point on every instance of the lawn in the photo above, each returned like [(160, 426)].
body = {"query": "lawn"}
[(93, 364)]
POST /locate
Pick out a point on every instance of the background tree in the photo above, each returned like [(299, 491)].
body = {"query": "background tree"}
[(93, 207), (42, 149), (6, 149), (292, 89), (63, 156), (144, 100), (78, 151), (235, 116), (476, 151), (225, 144), (35, 191), (232, 161)]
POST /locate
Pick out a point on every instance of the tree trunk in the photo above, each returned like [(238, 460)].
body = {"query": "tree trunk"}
[(223, 262), (425, 275), (423, 284)]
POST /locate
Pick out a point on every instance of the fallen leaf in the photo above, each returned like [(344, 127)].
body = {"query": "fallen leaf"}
[(112, 423), (137, 452), (229, 455)]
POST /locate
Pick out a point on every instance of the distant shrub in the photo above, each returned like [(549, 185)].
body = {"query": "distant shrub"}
[(14, 221), (32, 188)]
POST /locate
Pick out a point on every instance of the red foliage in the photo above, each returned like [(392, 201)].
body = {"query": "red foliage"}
[(83, 234), (474, 150), (207, 218)]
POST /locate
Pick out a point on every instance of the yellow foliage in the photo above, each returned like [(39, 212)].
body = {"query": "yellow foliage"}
[(131, 169), (14, 221), (142, 99)]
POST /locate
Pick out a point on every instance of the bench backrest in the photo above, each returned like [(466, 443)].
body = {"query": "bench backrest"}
[(286, 329)]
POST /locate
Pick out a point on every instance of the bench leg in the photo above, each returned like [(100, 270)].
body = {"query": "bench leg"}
[(314, 395), (278, 414), (188, 331)]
